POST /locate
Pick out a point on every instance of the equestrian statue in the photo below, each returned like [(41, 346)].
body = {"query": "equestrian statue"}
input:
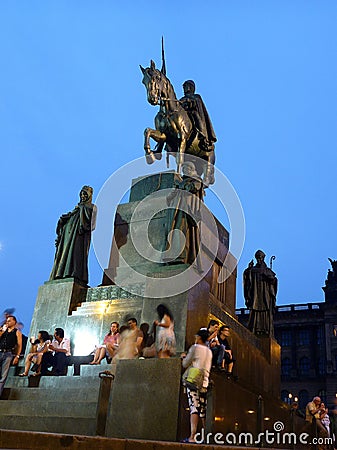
[(183, 126)]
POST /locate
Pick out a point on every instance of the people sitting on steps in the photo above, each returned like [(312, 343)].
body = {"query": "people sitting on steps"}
[(225, 356), (110, 345), (58, 355), (218, 343), (39, 347), (213, 328), (131, 341)]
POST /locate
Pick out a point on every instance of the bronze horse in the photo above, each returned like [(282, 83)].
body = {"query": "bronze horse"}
[(173, 127)]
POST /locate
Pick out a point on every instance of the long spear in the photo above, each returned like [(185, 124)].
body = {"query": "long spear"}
[(163, 67)]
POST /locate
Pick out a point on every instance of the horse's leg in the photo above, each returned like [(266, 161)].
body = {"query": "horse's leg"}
[(180, 154), (158, 150), (182, 126), (209, 169), (157, 136)]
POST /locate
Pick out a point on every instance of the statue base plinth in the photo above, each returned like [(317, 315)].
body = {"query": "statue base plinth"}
[(133, 286)]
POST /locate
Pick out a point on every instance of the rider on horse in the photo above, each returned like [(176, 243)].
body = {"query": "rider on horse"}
[(197, 112), (182, 125)]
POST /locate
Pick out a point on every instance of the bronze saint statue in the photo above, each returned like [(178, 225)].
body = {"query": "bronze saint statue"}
[(260, 288), (197, 112), (183, 242), (182, 131), (333, 263), (73, 239), (330, 288), (332, 274)]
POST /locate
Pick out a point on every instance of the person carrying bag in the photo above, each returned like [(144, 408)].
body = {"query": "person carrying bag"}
[(197, 363)]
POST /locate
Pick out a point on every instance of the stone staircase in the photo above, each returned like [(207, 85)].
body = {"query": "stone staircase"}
[(56, 404), (68, 405), (107, 307)]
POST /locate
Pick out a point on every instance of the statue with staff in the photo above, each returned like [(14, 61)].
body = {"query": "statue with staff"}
[(260, 288)]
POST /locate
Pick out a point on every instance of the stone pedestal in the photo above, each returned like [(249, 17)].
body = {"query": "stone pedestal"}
[(145, 400), (146, 215), (55, 301)]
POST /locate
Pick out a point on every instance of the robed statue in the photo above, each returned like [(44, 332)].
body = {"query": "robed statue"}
[(73, 239), (332, 275), (183, 233), (260, 288)]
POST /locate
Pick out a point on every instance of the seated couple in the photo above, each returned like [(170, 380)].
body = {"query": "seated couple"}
[(123, 343), (47, 354)]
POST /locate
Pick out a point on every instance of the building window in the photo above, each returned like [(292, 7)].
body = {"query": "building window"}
[(322, 394), (286, 367), (218, 289), (285, 338), (304, 366), (320, 336), (321, 366), (285, 396), (303, 398), (303, 337)]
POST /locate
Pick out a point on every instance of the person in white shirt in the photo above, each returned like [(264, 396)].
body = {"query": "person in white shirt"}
[(200, 357), (60, 347)]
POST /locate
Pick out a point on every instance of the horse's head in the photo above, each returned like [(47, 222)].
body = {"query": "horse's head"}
[(155, 82)]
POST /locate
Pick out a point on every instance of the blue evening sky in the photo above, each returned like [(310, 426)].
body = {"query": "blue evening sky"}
[(73, 110)]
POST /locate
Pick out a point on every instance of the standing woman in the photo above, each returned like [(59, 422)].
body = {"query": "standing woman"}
[(165, 338), (199, 356)]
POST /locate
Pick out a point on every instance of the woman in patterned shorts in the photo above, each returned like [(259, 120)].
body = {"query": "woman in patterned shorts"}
[(200, 357)]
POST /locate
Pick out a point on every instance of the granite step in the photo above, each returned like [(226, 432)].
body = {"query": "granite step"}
[(70, 395), (99, 306), (40, 407), (68, 382), (56, 405), (91, 308), (50, 424), (85, 370), (95, 370)]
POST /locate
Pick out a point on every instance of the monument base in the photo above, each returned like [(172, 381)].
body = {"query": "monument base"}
[(55, 301), (145, 400)]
